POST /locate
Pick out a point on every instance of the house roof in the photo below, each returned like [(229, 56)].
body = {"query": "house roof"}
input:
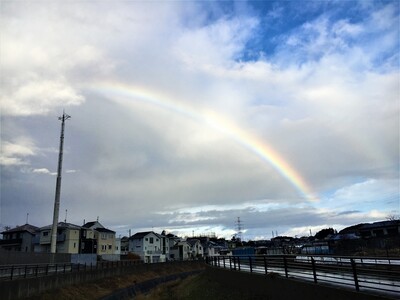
[(93, 224), (193, 241), (61, 225), (27, 227), (140, 235), (104, 230)]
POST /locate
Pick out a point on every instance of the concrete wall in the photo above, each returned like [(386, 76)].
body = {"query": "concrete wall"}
[(22, 288), (15, 257), (276, 287)]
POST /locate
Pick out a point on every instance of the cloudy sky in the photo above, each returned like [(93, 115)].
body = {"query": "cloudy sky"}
[(186, 115)]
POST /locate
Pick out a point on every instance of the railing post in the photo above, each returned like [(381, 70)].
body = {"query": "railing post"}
[(250, 264), (223, 260), (26, 269), (230, 262), (47, 269), (353, 266), (37, 267), (219, 263), (265, 265), (285, 266), (238, 259), (313, 269), (11, 272)]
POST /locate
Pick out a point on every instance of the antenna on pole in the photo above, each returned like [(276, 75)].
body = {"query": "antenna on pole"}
[(58, 186), (27, 218)]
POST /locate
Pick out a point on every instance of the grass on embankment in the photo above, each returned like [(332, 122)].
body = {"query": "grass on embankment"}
[(104, 287), (196, 287)]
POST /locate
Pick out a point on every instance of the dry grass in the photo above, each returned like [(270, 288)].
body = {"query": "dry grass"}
[(104, 287)]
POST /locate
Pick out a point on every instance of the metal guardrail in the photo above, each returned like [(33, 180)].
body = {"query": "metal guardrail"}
[(373, 275), (12, 272)]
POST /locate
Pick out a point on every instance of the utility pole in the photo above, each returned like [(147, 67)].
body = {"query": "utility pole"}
[(58, 186)]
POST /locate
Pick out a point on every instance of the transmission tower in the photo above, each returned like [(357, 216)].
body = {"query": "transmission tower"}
[(58, 186), (239, 227)]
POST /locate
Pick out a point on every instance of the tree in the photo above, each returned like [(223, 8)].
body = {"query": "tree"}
[(320, 235)]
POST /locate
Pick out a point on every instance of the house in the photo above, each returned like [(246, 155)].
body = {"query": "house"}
[(211, 248), (20, 238), (150, 246), (95, 238), (117, 250), (196, 248), (68, 236), (124, 245), (180, 251)]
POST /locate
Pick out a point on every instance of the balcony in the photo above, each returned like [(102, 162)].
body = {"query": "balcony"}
[(10, 242), (154, 252)]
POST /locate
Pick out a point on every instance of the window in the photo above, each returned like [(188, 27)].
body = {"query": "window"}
[(74, 245), (103, 236), (151, 240), (109, 247), (146, 239), (45, 233)]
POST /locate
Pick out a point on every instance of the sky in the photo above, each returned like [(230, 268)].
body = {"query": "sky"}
[(201, 117)]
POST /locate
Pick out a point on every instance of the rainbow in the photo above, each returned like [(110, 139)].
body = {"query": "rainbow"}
[(121, 92)]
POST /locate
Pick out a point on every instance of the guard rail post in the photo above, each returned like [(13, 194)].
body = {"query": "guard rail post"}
[(250, 265), (313, 269), (238, 259), (265, 265), (11, 272), (285, 266), (353, 266)]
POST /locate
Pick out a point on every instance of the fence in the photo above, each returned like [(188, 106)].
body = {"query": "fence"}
[(12, 272), (361, 273)]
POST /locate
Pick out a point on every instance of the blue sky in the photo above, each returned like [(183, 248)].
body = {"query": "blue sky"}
[(315, 81)]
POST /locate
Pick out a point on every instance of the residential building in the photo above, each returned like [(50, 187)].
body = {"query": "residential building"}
[(150, 246), (97, 239), (68, 236), (196, 248), (124, 245), (20, 238), (182, 250)]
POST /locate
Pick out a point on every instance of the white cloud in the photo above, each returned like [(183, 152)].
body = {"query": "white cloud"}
[(43, 171), (16, 153)]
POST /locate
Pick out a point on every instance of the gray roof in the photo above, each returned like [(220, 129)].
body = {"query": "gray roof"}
[(62, 225), (27, 227)]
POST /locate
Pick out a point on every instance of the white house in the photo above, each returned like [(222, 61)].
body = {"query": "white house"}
[(150, 246), (211, 249), (196, 248), (180, 251)]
